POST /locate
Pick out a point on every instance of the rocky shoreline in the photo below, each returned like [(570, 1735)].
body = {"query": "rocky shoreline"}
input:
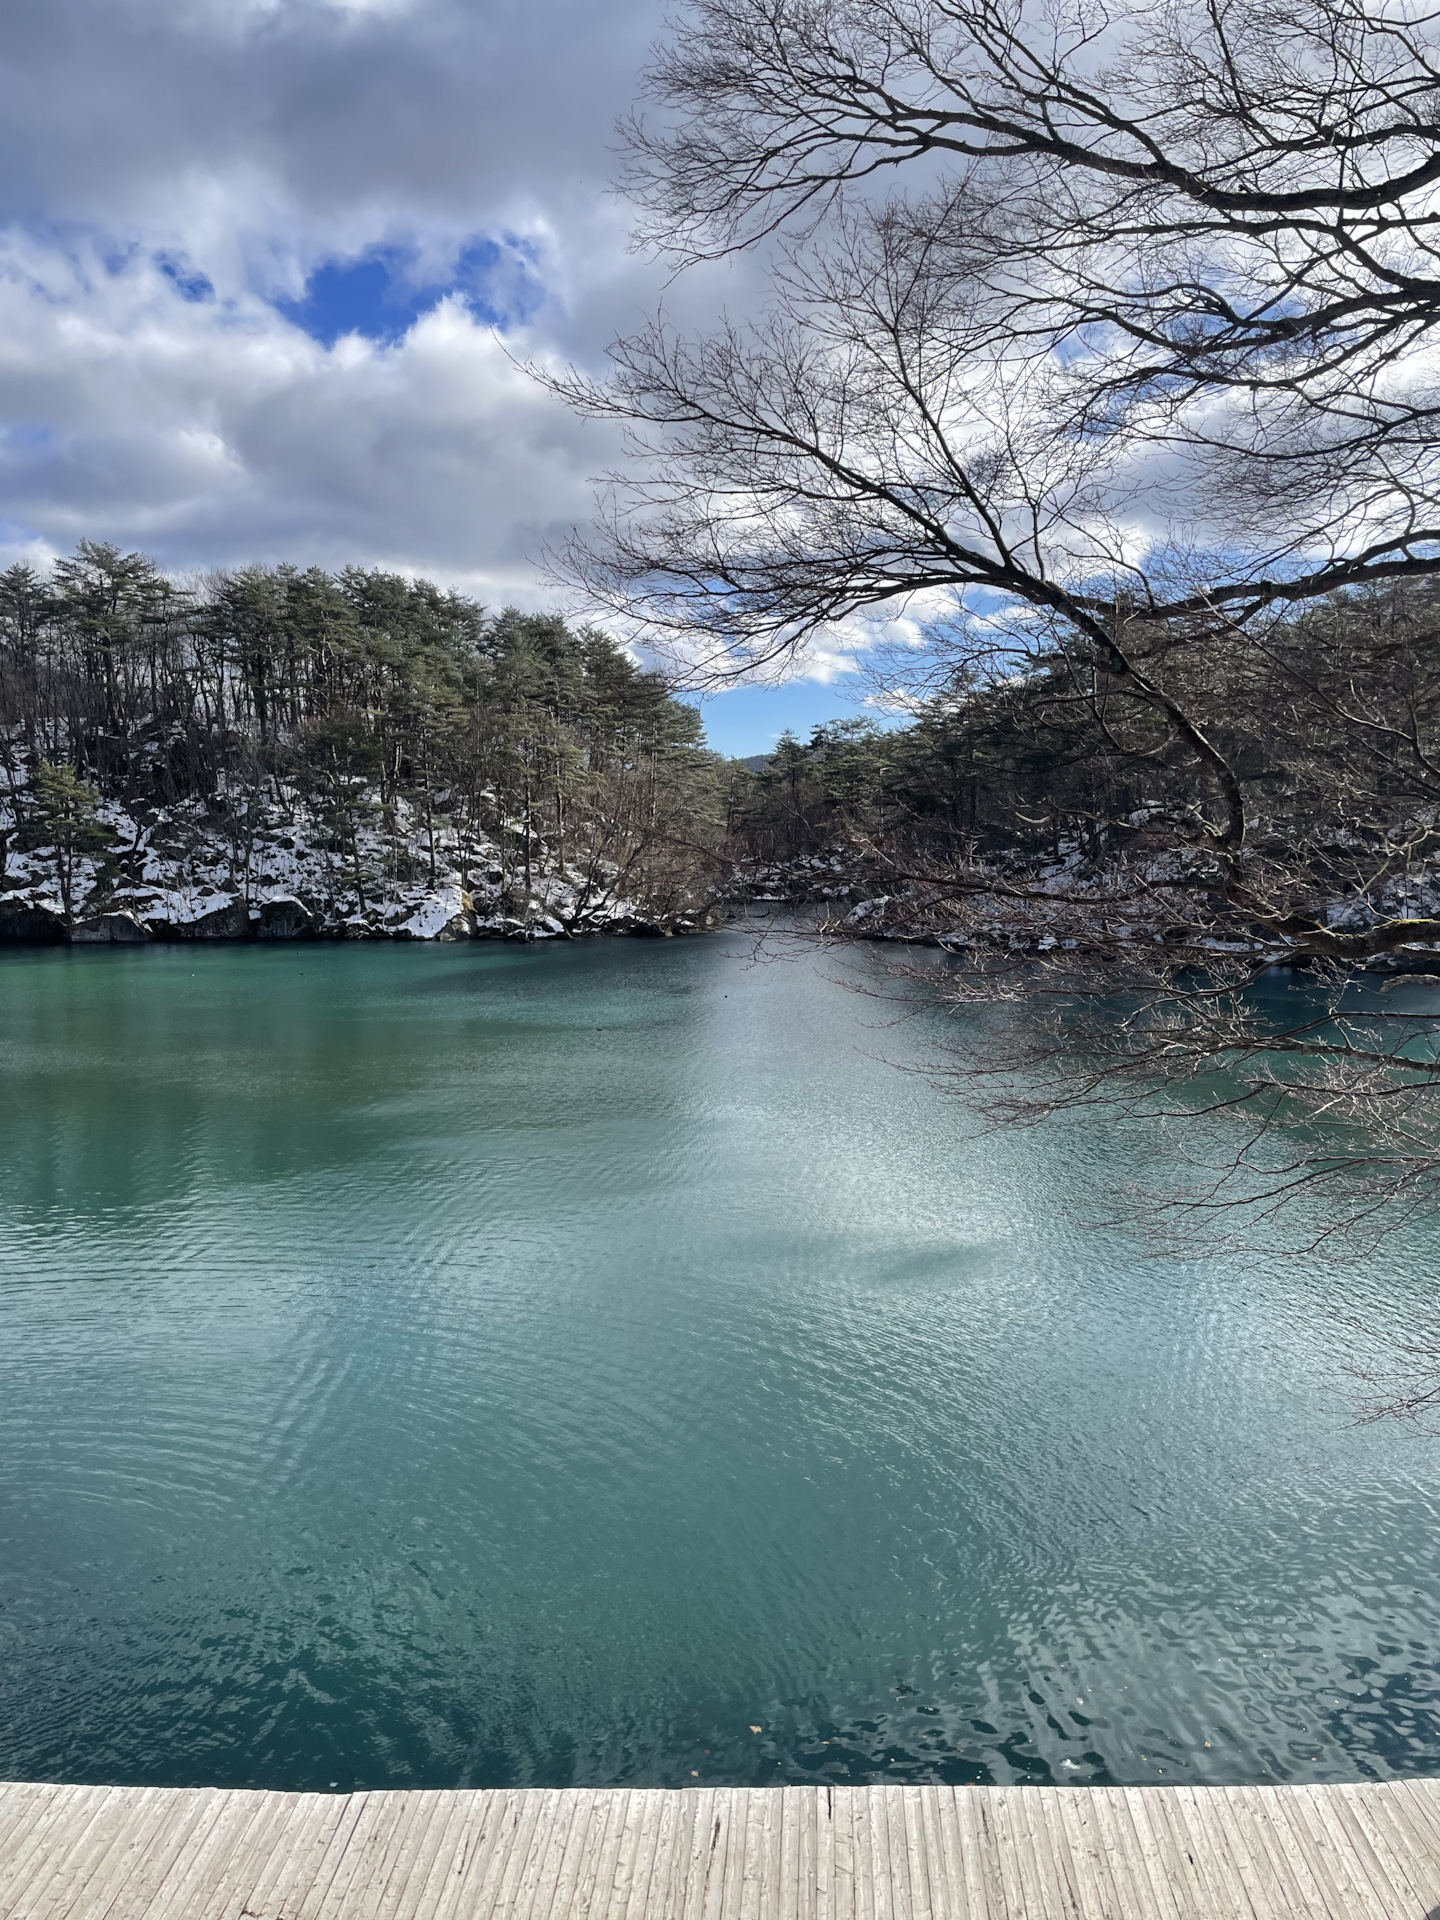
[(179, 874), (290, 919)]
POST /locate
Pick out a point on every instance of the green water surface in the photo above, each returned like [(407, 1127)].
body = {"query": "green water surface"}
[(606, 1364)]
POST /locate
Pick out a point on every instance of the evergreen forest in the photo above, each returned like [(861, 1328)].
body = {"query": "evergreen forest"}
[(279, 750)]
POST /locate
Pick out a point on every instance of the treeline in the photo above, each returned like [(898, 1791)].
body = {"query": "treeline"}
[(424, 739), (406, 717), (1329, 723)]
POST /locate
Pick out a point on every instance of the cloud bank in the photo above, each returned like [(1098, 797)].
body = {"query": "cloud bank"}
[(267, 267)]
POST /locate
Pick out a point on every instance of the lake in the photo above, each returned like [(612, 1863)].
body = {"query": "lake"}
[(599, 1364)]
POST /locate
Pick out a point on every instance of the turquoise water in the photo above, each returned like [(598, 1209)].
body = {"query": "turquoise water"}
[(425, 1366)]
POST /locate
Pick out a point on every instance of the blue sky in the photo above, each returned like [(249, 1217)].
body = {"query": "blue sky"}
[(381, 294), (268, 269), (746, 720)]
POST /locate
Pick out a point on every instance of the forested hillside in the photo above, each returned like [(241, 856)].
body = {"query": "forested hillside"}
[(1033, 800), (275, 751)]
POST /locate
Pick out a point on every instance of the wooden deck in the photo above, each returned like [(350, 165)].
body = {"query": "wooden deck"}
[(802, 1853)]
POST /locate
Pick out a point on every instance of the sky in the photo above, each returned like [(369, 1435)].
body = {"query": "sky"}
[(268, 267)]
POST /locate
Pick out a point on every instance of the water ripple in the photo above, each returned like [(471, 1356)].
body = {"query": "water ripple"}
[(425, 1367)]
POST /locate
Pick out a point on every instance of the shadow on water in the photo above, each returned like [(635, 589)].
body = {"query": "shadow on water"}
[(490, 1365)]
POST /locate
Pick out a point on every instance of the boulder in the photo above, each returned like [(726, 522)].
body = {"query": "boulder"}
[(460, 926), (108, 929), (446, 914), (282, 919), (228, 921)]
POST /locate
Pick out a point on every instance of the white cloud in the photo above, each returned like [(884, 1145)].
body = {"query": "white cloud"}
[(173, 172), (210, 432), (153, 151)]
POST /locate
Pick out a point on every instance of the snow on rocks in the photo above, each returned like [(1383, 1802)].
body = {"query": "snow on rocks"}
[(240, 869)]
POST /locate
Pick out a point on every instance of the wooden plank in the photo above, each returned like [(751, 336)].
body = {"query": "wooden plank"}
[(807, 1865), (595, 1895), (1356, 1863), (965, 1866), (631, 1873), (1052, 1848), (1359, 1845), (43, 1830), (223, 1824), (549, 1865), (21, 1801), (722, 1893), (1255, 1820), (45, 1841), (928, 1815), (792, 1803), (467, 1845), (666, 1830), (342, 1865), (509, 1881), (70, 1867), (1003, 1817), (889, 1864), (910, 1832), (228, 1851), (602, 1810), (496, 1894), (663, 1835), (1157, 1866), (670, 1897), (1158, 1851), (1077, 1813), (751, 1852), (735, 1804), (358, 1885), (586, 1819), (1347, 1885), (134, 1839), (156, 1862), (670, 1848), (1425, 1796), (1194, 1807), (516, 1900), (424, 1858), (845, 1905), (1341, 1896), (832, 1898), (272, 1869), (630, 1863), (562, 1860), (1411, 1868), (403, 1853), (982, 1879), (870, 1899), (1415, 1805), (58, 1808), (770, 1844), (705, 1836), (293, 1872), (798, 1853)]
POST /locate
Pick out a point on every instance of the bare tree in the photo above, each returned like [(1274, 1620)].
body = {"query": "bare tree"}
[(1100, 336)]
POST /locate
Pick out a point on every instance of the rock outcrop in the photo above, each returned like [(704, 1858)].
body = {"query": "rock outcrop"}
[(179, 874), (23, 923), (108, 929)]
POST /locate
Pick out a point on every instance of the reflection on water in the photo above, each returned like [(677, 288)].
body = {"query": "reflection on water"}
[(438, 1366)]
